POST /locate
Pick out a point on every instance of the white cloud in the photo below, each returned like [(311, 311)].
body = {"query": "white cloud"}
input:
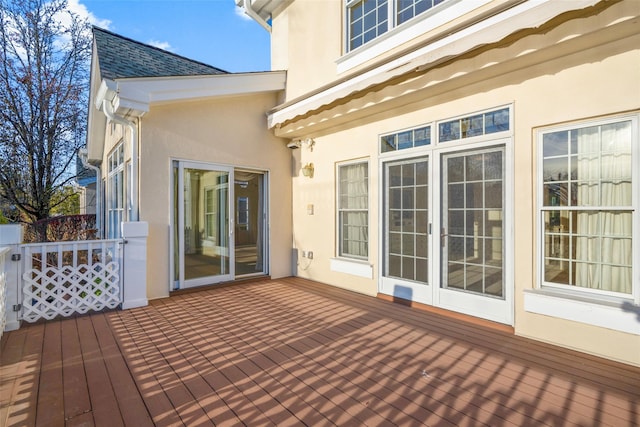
[(81, 10), (241, 14), (161, 45)]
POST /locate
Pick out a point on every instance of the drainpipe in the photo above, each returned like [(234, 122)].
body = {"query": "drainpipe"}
[(84, 154), (107, 108), (248, 8)]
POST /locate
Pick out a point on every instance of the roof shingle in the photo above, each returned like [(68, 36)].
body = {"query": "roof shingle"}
[(121, 57)]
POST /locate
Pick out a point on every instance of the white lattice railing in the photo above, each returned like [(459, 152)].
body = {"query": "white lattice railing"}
[(4, 252), (63, 278)]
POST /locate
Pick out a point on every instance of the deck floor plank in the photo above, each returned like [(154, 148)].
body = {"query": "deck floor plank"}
[(292, 352), (104, 405), (12, 370), (77, 402), (50, 407), (131, 404)]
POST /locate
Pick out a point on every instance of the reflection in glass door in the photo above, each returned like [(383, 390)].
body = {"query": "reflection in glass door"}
[(250, 219), (472, 223), (203, 225)]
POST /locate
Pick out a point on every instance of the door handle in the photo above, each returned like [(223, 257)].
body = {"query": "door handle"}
[(442, 236)]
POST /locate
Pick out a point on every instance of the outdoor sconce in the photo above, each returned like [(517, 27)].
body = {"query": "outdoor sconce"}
[(307, 170), (297, 143)]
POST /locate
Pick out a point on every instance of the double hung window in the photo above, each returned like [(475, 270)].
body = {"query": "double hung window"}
[(368, 19), (586, 208), (353, 210)]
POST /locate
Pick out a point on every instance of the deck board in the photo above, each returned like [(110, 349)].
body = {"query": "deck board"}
[(294, 352)]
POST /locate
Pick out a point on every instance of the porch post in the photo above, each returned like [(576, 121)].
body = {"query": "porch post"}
[(134, 264), (11, 237)]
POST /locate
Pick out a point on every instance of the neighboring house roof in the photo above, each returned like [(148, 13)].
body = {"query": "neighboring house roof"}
[(121, 57), (128, 76)]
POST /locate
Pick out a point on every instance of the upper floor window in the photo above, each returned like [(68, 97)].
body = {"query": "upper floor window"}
[(587, 206), (368, 19)]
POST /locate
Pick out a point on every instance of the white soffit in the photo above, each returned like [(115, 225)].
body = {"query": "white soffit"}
[(530, 14), (140, 92), (264, 8)]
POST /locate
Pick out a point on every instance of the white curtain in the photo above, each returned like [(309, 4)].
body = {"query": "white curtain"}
[(355, 204), (603, 242)]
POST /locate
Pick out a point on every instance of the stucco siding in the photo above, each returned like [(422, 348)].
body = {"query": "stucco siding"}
[(227, 131), (580, 84)]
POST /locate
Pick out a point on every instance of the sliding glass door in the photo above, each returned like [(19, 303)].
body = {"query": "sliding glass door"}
[(219, 224), (203, 224)]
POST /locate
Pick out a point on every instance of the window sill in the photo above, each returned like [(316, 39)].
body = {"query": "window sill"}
[(619, 315), (353, 267)]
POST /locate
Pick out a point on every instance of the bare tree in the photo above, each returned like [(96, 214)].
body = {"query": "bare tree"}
[(44, 68)]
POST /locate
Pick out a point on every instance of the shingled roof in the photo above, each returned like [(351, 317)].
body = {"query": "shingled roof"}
[(120, 57)]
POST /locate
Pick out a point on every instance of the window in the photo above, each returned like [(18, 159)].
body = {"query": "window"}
[(368, 19), (586, 208), (476, 125), (210, 210), (407, 9), (353, 210), (118, 205), (242, 211), (405, 139)]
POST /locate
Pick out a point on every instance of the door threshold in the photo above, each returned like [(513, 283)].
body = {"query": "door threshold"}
[(452, 314), (237, 281)]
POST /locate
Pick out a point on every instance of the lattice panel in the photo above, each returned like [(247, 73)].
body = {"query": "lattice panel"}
[(64, 291)]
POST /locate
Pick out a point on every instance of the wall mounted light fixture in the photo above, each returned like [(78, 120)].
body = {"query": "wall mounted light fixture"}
[(307, 170), (297, 143)]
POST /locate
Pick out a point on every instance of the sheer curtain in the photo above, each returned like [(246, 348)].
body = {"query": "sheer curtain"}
[(603, 234), (354, 206)]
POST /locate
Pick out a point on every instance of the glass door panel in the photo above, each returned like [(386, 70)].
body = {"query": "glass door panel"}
[(249, 223), (406, 211), (406, 230), (204, 225), (472, 223)]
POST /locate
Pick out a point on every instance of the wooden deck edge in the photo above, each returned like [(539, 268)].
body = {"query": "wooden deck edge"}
[(242, 280), (448, 313)]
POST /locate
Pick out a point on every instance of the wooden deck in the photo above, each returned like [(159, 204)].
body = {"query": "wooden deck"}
[(294, 352)]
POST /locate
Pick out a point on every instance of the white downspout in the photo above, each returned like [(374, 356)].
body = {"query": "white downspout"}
[(83, 154), (248, 8), (107, 108)]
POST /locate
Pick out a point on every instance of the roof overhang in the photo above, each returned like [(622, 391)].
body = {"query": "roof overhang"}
[(131, 98), (526, 15), (260, 10)]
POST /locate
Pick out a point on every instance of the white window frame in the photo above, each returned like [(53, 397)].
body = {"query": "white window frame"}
[(598, 308), (210, 217), (340, 254), (399, 34), (391, 18), (242, 215), (118, 203)]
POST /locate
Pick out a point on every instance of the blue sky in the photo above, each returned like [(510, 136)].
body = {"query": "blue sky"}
[(210, 31)]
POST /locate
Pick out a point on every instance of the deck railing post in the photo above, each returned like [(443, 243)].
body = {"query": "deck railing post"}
[(134, 261), (11, 237)]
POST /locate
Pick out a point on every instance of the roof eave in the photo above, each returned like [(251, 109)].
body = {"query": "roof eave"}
[(524, 15), (260, 10)]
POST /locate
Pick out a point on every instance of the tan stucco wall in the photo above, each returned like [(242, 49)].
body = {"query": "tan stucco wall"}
[(228, 131), (582, 80), (306, 40)]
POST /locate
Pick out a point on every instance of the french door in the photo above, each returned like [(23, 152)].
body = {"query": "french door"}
[(203, 224), (472, 224), (443, 229)]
